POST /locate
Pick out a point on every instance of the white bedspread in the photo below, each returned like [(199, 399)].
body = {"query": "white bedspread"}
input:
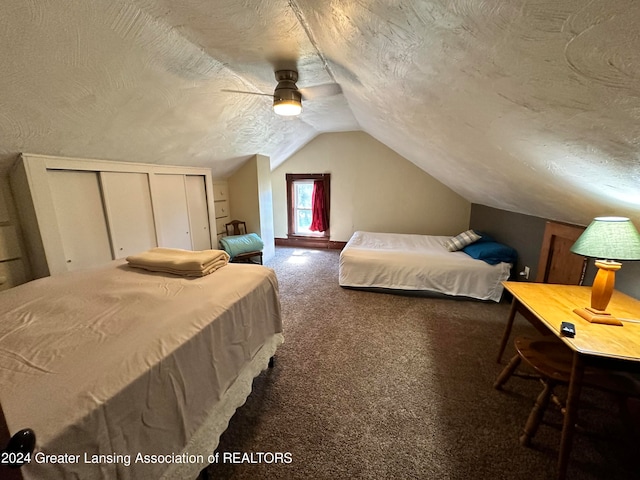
[(417, 262), (121, 361)]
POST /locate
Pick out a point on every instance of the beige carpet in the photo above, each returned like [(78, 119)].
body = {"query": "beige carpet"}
[(379, 386)]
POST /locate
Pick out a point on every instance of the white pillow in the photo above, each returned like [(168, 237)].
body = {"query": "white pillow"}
[(460, 241)]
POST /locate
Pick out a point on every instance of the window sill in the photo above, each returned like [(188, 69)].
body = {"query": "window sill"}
[(308, 235), (304, 241)]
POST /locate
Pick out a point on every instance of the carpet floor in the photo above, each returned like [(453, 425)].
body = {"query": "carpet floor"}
[(380, 386)]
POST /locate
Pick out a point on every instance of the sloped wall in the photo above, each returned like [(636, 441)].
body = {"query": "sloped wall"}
[(372, 188)]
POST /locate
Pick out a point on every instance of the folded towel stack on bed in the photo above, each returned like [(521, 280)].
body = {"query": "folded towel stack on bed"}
[(186, 263)]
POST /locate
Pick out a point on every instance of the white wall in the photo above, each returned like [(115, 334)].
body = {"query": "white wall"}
[(372, 188), (250, 200), (265, 200), (243, 195)]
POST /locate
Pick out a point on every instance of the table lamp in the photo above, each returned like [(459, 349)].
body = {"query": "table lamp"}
[(608, 239)]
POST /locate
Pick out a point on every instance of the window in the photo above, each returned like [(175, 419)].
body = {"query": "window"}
[(300, 194)]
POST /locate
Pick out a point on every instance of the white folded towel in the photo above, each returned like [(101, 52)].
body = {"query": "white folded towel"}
[(180, 262)]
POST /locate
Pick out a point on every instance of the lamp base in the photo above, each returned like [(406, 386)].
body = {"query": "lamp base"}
[(593, 315)]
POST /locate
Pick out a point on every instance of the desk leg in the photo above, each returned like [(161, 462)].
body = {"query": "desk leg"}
[(571, 414), (507, 329)]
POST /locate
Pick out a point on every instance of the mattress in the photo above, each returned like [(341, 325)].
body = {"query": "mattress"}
[(114, 362), (418, 263)]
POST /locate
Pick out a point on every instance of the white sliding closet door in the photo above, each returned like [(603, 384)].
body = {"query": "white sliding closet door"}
[(170, 208), (127, 201), (198, 212), (80, 217)]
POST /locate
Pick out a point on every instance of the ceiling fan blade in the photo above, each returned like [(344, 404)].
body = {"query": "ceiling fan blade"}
[(320, 91), (247, 93)]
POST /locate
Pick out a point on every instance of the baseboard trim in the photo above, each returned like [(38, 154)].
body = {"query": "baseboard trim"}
[(309, 243), (337, 245)]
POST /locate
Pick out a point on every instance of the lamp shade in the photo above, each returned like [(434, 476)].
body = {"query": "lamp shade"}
[(609, 238)]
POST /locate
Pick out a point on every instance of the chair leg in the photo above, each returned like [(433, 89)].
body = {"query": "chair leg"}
[(537, 412), (507, 372)]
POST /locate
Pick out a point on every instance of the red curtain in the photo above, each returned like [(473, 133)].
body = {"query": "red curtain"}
[(319, 214)]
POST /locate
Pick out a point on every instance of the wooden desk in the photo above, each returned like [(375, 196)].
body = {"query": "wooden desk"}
[(608, 346)]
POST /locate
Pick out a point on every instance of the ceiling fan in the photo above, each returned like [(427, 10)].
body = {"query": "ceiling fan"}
[(287, 97)]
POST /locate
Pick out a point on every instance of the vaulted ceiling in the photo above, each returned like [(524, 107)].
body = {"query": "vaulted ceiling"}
[(531, 106)]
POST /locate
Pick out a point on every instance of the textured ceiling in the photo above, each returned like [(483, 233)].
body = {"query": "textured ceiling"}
[(529, 106)]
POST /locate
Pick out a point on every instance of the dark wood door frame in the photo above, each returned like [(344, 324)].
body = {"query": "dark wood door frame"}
[(312, 240), (557, 264)]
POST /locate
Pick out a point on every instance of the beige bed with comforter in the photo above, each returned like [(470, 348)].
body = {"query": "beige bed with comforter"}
[(121, 361)]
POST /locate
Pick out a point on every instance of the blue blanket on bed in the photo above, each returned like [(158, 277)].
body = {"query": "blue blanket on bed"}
[(238, 244)]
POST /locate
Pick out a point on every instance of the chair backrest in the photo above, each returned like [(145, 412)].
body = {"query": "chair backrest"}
[(236, 227)]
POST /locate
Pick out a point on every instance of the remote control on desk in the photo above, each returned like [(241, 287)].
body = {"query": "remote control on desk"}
[(568, 329)]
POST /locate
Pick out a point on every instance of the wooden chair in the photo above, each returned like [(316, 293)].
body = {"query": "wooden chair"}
[(551, 359), (238, 227)]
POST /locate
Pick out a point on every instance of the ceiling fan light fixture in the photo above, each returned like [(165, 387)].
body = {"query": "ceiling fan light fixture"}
[(287, 100), (287, 107)]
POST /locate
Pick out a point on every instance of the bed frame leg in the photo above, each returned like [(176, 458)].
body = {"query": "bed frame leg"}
[(272, 362)]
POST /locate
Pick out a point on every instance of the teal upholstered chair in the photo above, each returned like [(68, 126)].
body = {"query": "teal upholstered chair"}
[(241, 246)]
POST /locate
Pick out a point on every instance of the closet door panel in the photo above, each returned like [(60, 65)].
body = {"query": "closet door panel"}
[(198, 212), (80, 216), (170, 209), (12, 274), (127, 200)]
